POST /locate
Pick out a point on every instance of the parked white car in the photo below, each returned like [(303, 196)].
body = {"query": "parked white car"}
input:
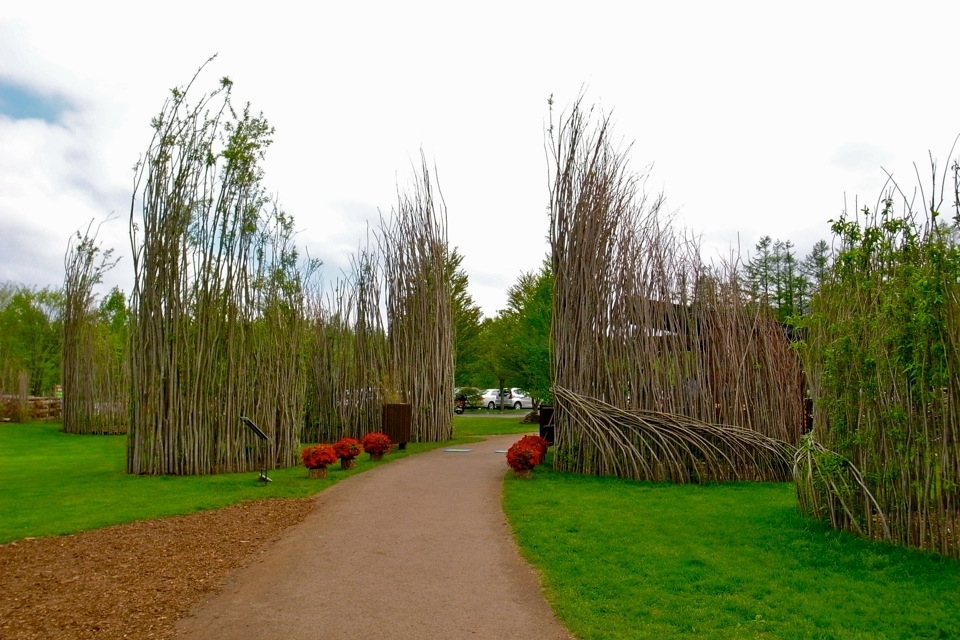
[(513, 398), (491, 398), (519, 399)]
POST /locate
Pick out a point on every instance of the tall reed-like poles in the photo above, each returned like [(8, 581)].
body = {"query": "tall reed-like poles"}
[(883, 355), (419, 317), (217, 305), (348, 354), (639, 321), (94, 399)]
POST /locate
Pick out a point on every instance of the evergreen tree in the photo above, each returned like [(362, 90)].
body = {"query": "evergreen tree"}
[(778, 281), (467, 318), (816, 266), (759, 272)]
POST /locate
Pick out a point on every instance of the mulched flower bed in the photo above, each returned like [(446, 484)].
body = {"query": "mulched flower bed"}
[(134, 580)]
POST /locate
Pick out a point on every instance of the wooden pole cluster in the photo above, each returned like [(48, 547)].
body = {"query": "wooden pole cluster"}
[(349, 355), (418, 308), (217, 304), (277, 326), (639, 321), (883, 356), (93, 376)]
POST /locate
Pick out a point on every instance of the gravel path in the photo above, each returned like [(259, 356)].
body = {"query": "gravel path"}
[(418, 548)]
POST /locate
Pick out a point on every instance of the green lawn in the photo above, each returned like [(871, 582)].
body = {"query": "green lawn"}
[(483, 422), (626, 559), (56, 483)]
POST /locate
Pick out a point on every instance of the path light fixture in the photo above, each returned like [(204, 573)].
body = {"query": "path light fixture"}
[(263, 456)]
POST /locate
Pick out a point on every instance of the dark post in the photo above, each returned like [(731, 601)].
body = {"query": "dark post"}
[(396, 423)]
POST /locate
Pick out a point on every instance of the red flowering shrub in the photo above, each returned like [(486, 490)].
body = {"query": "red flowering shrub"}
[(527, 452), (347, 448), (538, 443), (318, 455), (522, 457), (376, 443)]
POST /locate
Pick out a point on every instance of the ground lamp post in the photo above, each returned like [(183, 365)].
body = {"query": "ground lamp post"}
[(263, 454)]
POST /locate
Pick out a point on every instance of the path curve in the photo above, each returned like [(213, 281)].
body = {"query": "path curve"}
[(417, 548)]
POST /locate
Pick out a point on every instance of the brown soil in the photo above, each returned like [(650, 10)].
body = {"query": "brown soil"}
[(134, 580)]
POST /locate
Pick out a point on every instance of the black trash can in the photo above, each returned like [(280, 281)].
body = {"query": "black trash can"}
[(546, 424)]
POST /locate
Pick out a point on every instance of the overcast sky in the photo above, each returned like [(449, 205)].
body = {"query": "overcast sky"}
[(759, 118)]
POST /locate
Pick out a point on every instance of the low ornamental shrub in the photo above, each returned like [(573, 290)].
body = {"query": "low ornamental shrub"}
[(347, 448), (525, 454), (317, 456), (538, 443), (522, 457), (376, 443)]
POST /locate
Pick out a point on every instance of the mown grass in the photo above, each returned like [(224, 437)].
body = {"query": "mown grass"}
[(56, 483), (626, 559), (483, 422)]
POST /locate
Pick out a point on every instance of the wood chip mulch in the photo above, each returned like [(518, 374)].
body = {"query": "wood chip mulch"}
[(134, 580)]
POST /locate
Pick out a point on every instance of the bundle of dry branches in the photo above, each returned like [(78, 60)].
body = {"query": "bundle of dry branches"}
[(651, 445)]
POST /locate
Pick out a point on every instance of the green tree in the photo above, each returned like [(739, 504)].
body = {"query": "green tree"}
[(760, 270), (816, 266), (30, 339), (493, 371), (526, 343), (883, 356), (777, 280), (115, 316), (467, 319), (216, 310)]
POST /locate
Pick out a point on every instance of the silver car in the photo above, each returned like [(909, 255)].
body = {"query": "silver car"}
[(518, 399), (513, 398)]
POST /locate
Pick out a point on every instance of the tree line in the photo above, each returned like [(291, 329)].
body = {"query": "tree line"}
[(775, 278)]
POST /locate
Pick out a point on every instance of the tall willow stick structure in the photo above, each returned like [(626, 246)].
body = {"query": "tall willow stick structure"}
[(883, 355), (348, 355), (419, 317), (640, 323), (217, 304), (278, 304), (94, 398)]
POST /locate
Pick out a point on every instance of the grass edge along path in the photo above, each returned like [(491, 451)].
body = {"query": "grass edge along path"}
[(56, 483), (627, 559)]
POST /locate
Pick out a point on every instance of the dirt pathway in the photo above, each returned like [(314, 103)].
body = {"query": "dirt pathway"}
[(418, 548)]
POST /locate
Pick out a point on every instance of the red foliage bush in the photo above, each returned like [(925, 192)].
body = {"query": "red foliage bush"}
[(538, 443), (347, 448), (376, 443), (527, 452), (318, 455), (522, 457)]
